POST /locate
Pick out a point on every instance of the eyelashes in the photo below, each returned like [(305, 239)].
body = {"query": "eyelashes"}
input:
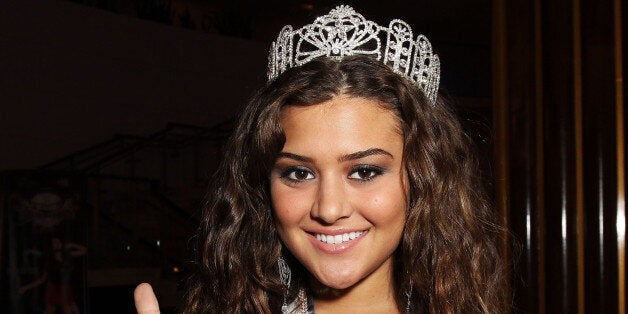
[(365, 172), (360, 173), (297, 174)]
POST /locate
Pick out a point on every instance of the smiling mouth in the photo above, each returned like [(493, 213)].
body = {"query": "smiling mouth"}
[(339, 238)]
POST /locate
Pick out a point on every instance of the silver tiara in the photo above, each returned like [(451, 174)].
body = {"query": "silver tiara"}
[(344, 32)]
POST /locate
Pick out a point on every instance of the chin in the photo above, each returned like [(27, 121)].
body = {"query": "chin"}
[(337, 281), (339, 285)]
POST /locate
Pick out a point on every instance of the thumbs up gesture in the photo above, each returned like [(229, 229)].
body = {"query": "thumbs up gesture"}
[(145, 300)]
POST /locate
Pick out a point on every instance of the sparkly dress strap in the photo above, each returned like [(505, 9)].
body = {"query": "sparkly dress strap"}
[(302, 304), (310, 305)]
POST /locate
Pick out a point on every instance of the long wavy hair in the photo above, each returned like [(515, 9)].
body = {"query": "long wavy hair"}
[(447, 255)]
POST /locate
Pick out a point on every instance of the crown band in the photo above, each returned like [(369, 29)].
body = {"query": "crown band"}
[(344, 32)]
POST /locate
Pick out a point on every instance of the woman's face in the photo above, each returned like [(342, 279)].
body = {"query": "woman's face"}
[(338, 190)]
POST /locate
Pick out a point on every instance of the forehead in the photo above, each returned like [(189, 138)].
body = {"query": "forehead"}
[(344, 122)]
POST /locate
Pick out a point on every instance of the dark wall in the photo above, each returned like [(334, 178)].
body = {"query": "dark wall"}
[(72, 76), (559, 109)]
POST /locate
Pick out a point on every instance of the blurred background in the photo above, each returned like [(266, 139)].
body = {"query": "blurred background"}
[(113, 114)]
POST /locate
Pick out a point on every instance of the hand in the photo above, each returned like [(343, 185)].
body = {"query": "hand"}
[(145, 300)]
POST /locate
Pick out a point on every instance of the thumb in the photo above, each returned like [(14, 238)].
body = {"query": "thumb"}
[(145, 300)]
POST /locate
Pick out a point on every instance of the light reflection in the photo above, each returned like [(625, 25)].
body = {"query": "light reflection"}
[(620, 224), (528, 229), (563, 223)]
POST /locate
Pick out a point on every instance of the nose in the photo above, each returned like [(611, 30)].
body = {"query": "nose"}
[(332, 202)]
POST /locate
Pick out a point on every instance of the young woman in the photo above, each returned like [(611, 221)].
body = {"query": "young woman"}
[(348, 186)]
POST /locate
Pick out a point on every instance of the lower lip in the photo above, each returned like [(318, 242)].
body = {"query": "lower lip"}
[(335, 248)]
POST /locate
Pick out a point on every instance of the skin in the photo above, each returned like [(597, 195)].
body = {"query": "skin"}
[(145, 300), (341, 170)]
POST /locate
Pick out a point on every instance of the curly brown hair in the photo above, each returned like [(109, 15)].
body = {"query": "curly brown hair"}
[(447, 254)]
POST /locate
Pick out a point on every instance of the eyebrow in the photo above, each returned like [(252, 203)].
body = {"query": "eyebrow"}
[(365, 153), (352, 156), (294, 156)]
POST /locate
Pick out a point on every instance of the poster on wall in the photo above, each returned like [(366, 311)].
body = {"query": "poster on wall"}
[(46, 242)]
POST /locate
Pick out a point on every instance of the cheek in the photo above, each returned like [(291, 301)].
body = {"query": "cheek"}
[(386, 206), (288, 206)]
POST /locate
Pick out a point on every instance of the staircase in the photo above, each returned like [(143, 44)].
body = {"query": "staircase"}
[(140, 203)]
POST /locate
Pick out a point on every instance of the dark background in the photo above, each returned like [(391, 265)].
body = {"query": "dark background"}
[(121, 108), (76, 72), (113, 114)]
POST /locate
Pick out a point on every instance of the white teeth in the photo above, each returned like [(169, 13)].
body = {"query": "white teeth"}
[(339, 238)]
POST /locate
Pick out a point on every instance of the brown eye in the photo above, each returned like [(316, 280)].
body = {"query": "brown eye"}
[(297, 174), (365, 173), (300, 174)]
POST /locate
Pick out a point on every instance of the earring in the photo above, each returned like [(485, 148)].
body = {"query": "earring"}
[(285, 275)]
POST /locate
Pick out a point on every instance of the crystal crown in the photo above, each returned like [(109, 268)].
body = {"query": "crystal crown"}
[(344, 32)]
